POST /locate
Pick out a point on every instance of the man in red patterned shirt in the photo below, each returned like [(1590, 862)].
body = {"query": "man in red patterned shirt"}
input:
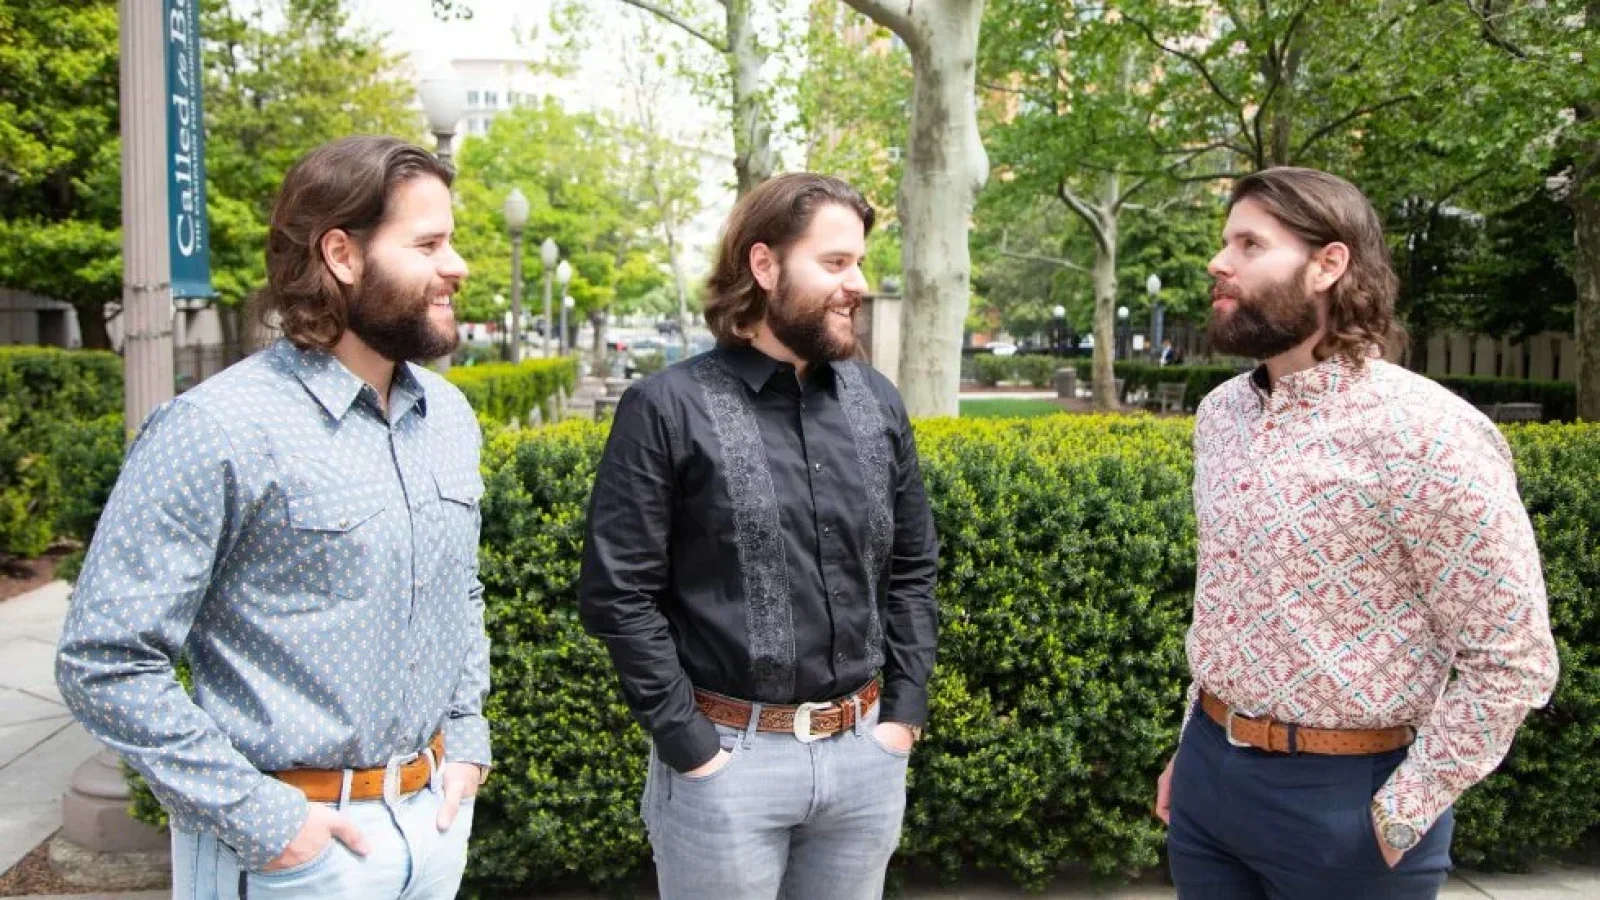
[(1370, 625)]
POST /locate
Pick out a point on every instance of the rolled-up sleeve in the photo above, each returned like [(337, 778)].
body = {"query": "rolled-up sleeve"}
[(147, 573)]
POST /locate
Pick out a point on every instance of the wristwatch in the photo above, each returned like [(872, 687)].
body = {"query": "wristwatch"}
[(1396, 834)]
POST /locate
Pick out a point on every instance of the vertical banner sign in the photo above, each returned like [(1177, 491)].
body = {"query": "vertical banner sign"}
[(187, 234)]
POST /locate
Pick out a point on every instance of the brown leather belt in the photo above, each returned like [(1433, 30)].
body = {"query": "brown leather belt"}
[(1282, 737), (325, 785), (807, 721)]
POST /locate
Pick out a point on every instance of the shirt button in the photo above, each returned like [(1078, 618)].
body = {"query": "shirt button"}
[(817, 466), (1271, 425), (827, 529), (344, 523), (840, 658), (1244, 485)]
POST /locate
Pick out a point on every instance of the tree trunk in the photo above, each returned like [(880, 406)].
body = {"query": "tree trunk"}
[(945, 165), (92, 325), (1586, 272), (752, 133), (1105, 315)]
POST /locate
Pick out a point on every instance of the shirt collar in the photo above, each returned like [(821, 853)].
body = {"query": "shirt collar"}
[(1332, 376), (336, 387), (755, 368)]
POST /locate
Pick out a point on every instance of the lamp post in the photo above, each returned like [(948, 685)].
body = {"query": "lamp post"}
[(444, 99), (566, 306), (563, 278), (1122, 326), (548, 254), (1158, 313), (516, 212), (1058, 321), (503, 321)]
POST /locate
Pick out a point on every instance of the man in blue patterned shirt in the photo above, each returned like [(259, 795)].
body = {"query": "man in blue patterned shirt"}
[(302, 529)]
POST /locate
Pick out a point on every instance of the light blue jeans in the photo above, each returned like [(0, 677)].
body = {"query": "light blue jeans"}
[(410, 859), (801, 821)]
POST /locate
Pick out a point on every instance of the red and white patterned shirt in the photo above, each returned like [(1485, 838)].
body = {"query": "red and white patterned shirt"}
[(1365, 561)]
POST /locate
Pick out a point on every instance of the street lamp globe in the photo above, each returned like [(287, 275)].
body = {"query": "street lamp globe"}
[(564, 274), (516, 211), (1152, 285), (1058, 311), (444, 101), (1122, 313), (568, 302), (549, 253)]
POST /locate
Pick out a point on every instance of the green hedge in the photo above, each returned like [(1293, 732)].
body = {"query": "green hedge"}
[(1559, 398), (1200, 380), (1038, 371), (61, 441), (508, 392), (1066, 578), (1065, 588)]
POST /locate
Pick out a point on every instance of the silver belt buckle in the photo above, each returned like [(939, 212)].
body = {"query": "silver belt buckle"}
[(391, 780), (802, 722), (1231, 739)]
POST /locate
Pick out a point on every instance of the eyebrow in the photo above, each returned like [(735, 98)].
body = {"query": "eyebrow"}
[(430, 237), (1242, 233)]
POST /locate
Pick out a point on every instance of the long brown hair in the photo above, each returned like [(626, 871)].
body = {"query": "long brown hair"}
[(1322, 209), (345, 184), (776, 213)]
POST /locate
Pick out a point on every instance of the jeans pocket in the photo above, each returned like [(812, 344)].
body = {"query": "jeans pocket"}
[(315, 862), (728, 742)]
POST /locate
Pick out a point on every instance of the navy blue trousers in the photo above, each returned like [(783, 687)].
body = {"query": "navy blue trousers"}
[(1251, 825)]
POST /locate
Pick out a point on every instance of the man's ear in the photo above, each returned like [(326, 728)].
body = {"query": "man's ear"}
[(341, 255), (1328, 265), (764, 266)]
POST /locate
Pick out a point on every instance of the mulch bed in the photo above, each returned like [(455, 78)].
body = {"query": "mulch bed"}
[(32, 875), (17, 577)]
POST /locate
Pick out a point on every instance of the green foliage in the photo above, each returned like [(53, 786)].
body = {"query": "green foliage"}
[(1002, 407), (1201, 380), (1559, 398), (1038, 371), (507, 392), (61, 441), (1066, 579)]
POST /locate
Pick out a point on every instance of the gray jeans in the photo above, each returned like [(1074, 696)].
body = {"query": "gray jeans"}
[(814, 821)]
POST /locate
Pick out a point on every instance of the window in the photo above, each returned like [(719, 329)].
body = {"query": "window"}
[(491, 99), (472, 98)]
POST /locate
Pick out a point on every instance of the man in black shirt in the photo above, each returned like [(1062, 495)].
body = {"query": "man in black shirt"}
[(760, 563)]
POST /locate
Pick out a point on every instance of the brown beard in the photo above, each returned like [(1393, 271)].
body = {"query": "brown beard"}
[(1277, 319), (394, 321), (805, 330)]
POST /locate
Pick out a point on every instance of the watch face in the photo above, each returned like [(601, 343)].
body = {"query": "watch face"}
[(1400, 836)]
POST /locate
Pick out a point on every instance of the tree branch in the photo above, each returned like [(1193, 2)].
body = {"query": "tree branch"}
[(1087, 213), (1346, 119), (1035, 257), (1490, 36), (667, 16), (1190, 58), (894, 15)]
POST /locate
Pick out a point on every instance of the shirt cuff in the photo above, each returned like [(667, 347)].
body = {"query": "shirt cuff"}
[(264, 825), (466, 740), (689, 746), (1410, 798), (904, 702)]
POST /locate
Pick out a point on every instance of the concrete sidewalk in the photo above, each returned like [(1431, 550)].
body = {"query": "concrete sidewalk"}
[(40, 747)]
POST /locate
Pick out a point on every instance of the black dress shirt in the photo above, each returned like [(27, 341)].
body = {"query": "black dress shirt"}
[(761, 536)]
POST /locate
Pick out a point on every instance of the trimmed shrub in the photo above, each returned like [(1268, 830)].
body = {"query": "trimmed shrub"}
[(1035, 370), (61, 440), (1200, 380), (508, 392), (1065, 587), (1559, 398)]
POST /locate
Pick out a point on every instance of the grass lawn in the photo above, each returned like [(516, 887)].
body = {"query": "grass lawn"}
[(1009, 408)]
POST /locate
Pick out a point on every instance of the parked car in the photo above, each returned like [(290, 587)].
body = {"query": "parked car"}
[(1001, 348)]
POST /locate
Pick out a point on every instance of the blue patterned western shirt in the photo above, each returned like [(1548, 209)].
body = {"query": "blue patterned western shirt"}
[(315, 560)]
